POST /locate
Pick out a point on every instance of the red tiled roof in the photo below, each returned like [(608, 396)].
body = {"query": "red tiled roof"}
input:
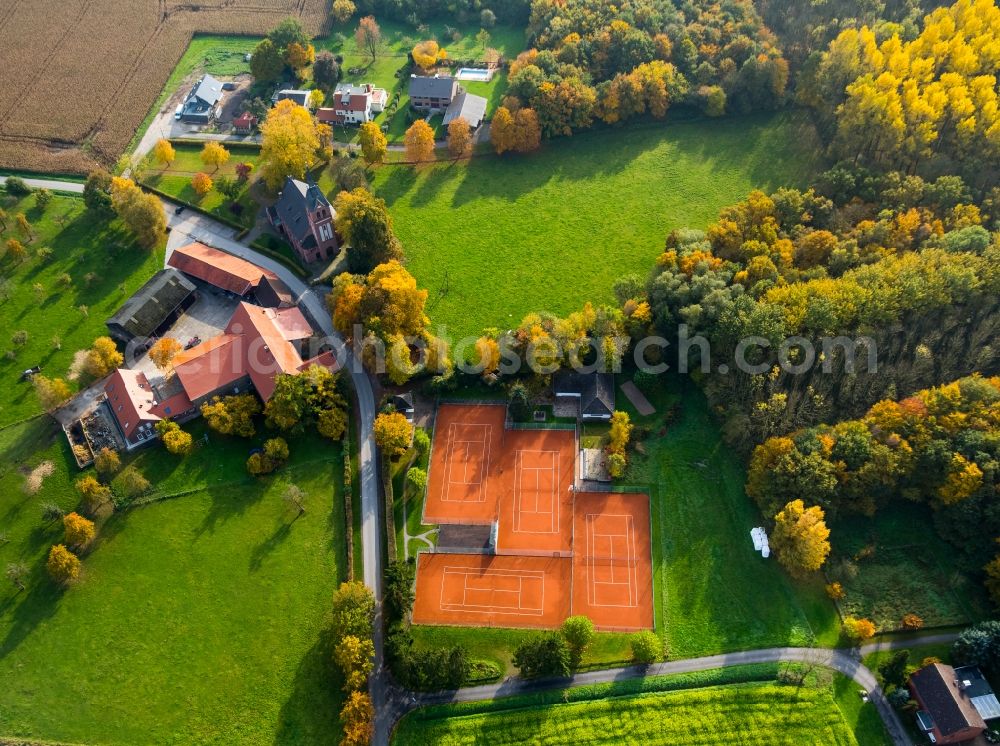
[(358, 102), (267, 350), (327, 360), (218, 268), (246, 119), (327, 115), (131, 399), (208, 367)]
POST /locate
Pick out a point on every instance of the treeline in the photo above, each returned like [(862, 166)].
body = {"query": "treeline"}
[(914, 272), (940, 447), (593, 60)]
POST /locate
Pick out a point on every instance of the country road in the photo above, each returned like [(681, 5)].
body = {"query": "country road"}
[(74, 187)]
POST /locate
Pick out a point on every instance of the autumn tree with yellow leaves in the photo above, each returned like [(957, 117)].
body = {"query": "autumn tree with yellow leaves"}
[(289, 143), (801, 538)]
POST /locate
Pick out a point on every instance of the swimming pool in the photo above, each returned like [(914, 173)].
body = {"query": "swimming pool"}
[(474, 73)]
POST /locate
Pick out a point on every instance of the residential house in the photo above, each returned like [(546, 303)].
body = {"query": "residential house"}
[(200, 105), (592, 393), (304, 216), (256, 346), (153, 307), (468, 107), (218, 268), (245, 124), (954, 702), (432, 94), (300, 97), (354, 104), (137, 408)]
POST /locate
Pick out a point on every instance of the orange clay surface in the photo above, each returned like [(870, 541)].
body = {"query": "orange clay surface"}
[(612, 574), (558, 552), (492, 590)]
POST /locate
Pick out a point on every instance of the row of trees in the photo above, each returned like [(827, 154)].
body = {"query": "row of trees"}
[(354, 654)]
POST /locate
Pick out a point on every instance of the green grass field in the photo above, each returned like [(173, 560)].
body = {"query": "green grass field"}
[(202, 618), (743, 705), (175, 181), (104, 269), (495, 238), (714, 593), (896, 564)]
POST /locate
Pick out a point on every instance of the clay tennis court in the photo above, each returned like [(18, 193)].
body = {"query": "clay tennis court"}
[(464, 466), (557, 552), (492, 590), (612, 568)]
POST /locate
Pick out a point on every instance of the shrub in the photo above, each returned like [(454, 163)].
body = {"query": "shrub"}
[(416, 478), (912, 621), (578, 631), (95, 495), (421, 441), (835, 591), (893, 671), (979, 645), (17, 187), (131, 483), (858, 630), (646, 647)]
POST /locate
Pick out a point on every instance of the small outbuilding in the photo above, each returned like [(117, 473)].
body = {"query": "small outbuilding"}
[(593, 393), (245, 124), (153, 307)]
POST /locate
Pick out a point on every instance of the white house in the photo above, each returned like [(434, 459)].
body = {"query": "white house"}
[(354, 104)]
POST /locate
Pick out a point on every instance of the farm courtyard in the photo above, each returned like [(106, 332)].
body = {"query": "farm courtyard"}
[(493, 239)]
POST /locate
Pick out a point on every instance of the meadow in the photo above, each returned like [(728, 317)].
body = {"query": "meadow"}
[(174, 180), (896, 564), (714, 593), (75, 88), (495, 238), (104, 267), (199, 618), (744, 705)]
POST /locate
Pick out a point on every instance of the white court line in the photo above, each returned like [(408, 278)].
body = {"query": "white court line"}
[(554, 512), (468, 572), (453, 443), (631, 580)]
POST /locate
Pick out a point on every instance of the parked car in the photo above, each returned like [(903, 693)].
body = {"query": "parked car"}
[(179, 111), (26, 375), (178, 210)]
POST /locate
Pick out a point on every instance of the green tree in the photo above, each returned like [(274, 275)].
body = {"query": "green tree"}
[(232, 415), (579, 633), (267, 63), (353, 611), (543, 656), (398, 590), (646, 647)]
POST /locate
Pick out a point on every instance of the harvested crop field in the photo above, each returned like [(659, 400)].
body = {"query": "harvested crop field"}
[(75, 85)]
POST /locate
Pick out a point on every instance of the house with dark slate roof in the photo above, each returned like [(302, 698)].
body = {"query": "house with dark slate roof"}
[(201, 102), (432, 93), (304, 216), (154, 307), (595, 393), (954, 702)]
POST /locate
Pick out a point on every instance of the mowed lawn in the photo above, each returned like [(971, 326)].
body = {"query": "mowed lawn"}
[(496, 238), (714, 593), (202, 618), (104, 268), (754, 712)]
